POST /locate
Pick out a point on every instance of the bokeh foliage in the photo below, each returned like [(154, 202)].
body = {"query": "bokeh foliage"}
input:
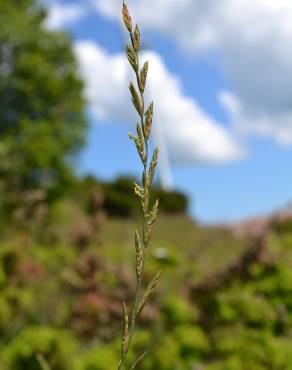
[(63, 301), (42, 120)]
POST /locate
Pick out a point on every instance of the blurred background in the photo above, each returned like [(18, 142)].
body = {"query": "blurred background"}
[(221, 80)]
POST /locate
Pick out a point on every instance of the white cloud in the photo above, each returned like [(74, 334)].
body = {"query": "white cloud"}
[(190, 135), (246, 122), (60, 15), (230, 103), (254, 39)]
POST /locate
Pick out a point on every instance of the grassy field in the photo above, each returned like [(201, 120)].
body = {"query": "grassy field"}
[(178, 241)]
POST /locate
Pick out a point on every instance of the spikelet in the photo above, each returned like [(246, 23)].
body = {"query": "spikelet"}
[(132, 57), (153, 164), (139, 256), (143, 77), (136, 39), (149, 291), (126, 17), (148, 121), (136, 99), (125, 335)]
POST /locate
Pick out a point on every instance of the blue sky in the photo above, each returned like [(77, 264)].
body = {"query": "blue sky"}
[(240, 167)]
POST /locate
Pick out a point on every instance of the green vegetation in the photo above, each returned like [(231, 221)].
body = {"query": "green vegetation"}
[(66, 244), (63, 301), (42, 121)]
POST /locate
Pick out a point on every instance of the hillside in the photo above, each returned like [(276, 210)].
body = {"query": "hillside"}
[(62, 298)]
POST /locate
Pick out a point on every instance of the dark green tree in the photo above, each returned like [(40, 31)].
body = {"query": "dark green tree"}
[(42, 120)]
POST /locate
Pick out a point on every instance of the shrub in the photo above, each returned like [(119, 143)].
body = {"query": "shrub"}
[(57, 348), (167, 354), (5, 315), (193, 341), (119, 198), (172, 201), (283, 226), (103, 358), (178, 311)]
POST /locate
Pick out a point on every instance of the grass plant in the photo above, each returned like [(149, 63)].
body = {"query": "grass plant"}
[(143, 191)]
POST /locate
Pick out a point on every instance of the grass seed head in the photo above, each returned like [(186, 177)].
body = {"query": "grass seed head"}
[(126, 17)]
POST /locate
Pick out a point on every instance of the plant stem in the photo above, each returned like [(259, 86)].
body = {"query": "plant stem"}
[(149, 216)]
